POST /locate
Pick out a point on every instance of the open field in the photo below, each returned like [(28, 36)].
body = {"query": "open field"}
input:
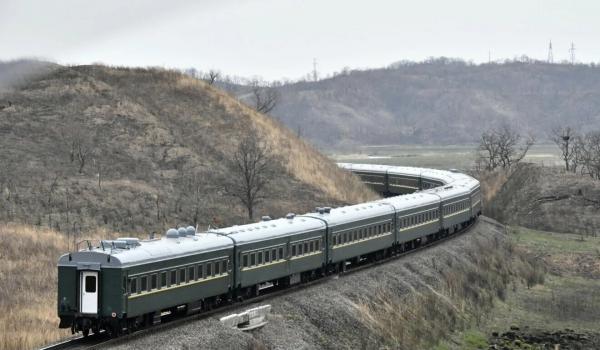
[(569, 298), (442, 157)]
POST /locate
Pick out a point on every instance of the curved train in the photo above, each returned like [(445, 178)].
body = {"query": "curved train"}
[(127, 283)]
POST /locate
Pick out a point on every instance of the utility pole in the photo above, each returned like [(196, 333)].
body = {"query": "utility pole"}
[(550, 54), (314, 72), (572, 51)]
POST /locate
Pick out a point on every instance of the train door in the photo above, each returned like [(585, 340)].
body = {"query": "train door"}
[(88, 292)]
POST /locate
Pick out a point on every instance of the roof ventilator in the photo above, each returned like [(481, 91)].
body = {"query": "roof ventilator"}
[(290, 216), (265, 218), (182, 231), (172, 233), (327, 210), (190, 230)]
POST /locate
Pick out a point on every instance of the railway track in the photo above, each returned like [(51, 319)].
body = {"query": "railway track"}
[(98, 341)]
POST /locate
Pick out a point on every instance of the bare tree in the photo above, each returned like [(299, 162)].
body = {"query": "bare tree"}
[(252, 167), (79, 145), (503, 147), (212, 76), (564, 138), (590, 154), (264, 97)]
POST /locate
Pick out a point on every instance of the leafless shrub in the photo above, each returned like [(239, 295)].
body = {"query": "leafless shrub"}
[(211, 76), (503, 147), (264, 97)]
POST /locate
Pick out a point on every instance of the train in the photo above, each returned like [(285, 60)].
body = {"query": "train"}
[(125, 284)]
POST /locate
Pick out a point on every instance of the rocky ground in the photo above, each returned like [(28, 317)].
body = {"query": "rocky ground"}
[(526, 338), (371, 308)]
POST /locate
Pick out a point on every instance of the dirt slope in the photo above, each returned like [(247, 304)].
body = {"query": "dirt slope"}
[(156, 139)]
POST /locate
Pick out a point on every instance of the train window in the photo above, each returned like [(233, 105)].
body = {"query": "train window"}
[(163, 279), (293, 250), (144, 284), (252, 259), (305, 247), (224, 266), (154, 281), (245, 260), (274, 254), (300, 249), (370, 231), (191, 273), (355, 235), (209, 269), (389, 227), (260, 258), (267, 256), (217, 268), (312, 246), (181, 276), (133, 286), (201, 270), (173, 277), (317, 246)]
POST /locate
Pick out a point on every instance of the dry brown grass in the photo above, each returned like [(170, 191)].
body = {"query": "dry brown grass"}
[(465, 291), (491, 183), (301, 159), (28, 280)]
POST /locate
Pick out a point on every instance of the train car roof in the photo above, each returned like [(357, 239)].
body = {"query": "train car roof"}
[(271, 229), (352, 213), (150, 250), (375, 168), (409, 201), (455, 189)]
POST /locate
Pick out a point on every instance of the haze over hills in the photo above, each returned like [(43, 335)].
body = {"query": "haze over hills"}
[(157, 140), (440, 101)]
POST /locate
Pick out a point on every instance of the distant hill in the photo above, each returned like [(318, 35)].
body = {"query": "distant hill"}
[(157, 140), (439, 102)]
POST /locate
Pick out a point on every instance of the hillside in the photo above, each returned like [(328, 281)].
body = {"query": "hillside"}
[(439, 102), (549, 199), (153, 142)]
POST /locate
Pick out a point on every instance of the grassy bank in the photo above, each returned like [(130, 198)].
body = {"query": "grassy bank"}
[(569, 298), (463, 291)]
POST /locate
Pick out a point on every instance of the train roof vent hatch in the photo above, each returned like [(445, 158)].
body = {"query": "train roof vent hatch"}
[(290, 216), (130, 241), (321, 210), (265, 218), (327, 210)]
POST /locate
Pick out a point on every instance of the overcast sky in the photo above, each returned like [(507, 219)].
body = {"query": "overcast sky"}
[(280, 38)]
